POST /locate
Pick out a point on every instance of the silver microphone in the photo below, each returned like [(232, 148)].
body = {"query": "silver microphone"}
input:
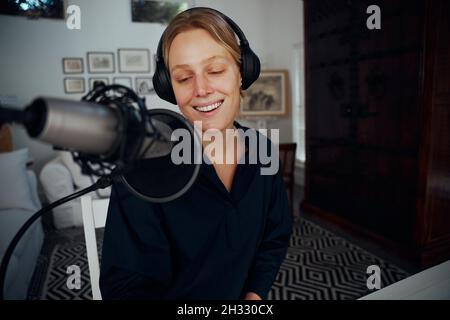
[(90, 128), (76, 125)]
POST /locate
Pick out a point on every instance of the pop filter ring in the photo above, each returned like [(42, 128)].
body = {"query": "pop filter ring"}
[(197, 152)]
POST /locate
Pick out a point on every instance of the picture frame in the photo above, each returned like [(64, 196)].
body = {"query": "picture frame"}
[(74, 85), (124, 81), (72, 65), (134, 60), (100, 62), (157, 11), (55, 9), (144, 86), (267, 96), (92, 81), (154, 57)]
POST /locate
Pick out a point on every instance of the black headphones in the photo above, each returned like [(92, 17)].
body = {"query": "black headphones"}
[(250, 65)]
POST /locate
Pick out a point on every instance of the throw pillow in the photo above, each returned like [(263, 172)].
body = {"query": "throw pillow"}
[(15, 190)]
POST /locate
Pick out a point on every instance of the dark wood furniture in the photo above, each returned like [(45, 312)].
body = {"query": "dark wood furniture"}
[(5, 138), (378, 123), (287, 158)]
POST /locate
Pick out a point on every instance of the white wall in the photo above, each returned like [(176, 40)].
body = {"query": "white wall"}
[(32, 50)]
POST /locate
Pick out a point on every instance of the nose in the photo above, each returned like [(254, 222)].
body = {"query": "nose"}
[(202, 87)]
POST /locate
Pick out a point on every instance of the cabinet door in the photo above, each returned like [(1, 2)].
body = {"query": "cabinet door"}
[(388, 127), (363, 115), (388, 143), (327, 90), (433, 225)]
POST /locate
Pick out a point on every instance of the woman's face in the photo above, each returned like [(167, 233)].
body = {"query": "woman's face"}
[(205, 79)]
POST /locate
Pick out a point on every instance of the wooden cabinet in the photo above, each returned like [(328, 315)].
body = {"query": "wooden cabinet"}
[(378, 122)]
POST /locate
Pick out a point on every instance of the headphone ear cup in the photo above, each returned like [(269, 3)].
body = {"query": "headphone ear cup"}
[(250, 67), (162, 84)]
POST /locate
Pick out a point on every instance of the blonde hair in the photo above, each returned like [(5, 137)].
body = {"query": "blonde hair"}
[(208, 20)]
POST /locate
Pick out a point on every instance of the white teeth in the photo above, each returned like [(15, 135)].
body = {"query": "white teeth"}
[(210, 107)]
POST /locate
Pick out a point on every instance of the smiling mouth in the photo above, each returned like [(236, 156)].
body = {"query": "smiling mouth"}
[(209, 108)]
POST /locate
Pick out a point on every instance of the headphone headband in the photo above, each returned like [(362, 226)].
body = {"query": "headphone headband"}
[(242, 39)]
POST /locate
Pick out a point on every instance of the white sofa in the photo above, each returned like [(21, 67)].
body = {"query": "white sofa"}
[(18, 202), (61, 177)]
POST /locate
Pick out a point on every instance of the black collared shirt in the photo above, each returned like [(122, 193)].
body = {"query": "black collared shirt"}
[(207, 244)]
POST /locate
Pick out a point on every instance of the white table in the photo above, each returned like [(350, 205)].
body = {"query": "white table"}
[(430, 284)]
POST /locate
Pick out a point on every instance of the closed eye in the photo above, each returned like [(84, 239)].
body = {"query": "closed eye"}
[(183, 79)]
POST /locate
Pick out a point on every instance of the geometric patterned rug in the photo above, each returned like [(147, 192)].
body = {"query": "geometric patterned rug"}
[(55, 285), (62, 248), (322, 266), (319, 265)]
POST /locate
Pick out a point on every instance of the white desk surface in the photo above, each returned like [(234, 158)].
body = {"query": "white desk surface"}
[(429, 284)]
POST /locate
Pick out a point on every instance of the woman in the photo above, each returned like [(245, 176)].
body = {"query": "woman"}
[(226, 237)]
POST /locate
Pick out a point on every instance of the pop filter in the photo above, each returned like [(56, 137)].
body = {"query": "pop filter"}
[(158, 178)]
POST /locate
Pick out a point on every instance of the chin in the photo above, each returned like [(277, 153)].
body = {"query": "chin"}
[(216, 123), (207, 125)]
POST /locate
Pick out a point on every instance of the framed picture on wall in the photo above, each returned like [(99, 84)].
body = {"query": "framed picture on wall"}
[(159, 11), (55, 9), (124, 81), (72, 65), (100, 62), (93, 81), (153, 63), (134, 60), (74, 85), (267, 96), (144, 86)]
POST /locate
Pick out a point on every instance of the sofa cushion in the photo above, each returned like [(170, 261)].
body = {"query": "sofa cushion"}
[(57, 183), (81, 180), (11, 220), (15, 189), (23, 260)]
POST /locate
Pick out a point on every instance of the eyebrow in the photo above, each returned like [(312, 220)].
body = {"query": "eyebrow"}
[(182, 66)]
